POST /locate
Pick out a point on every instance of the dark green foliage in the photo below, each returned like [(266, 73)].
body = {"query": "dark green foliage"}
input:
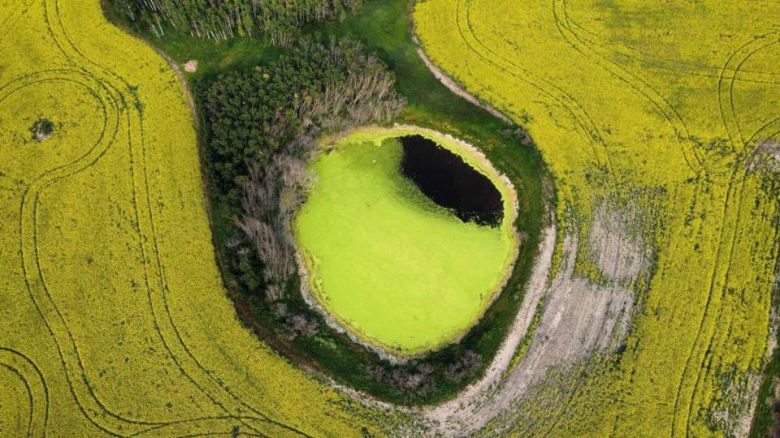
[(222, 19), (279, 313), (42, 129), (253, 115)]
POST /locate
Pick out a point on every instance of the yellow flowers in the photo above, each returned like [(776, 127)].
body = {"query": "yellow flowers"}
[(113, 316), (655, 109), (114, 319)]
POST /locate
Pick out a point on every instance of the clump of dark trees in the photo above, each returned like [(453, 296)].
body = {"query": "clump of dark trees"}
[(279, 21), (261, 127)]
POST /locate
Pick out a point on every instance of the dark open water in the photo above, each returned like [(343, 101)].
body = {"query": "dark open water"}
[(450, 182)]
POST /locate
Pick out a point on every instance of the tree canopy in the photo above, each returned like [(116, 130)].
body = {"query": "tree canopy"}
[(280, 21)]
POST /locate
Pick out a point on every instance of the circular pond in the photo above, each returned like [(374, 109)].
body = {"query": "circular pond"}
[(407, 236)]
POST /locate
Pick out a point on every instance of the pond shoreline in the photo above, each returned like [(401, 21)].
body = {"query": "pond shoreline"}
[(474, 158)]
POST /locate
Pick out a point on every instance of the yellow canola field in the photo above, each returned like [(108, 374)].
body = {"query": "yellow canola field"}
[(113, 318), (655, 112)]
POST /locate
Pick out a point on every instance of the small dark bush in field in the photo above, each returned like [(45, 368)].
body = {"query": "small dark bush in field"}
[(42, 129)]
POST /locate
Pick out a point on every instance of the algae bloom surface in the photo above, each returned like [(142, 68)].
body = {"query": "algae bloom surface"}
[(384, 261)]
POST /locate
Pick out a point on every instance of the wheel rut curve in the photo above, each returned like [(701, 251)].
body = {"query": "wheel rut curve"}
[(113, 102)]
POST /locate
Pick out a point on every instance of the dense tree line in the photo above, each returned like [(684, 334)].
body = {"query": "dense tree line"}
[(279, 20)]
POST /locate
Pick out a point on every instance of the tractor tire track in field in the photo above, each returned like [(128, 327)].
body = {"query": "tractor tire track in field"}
[(730, 168), (639, 85), (37, 391), (37, 288), (741, 147), (166, 327), (670, 65), (695, 161), (578, 114), (585, 122), (171, 340), (729, 234), (739, 176), (20, 376), (683, 137), (109, 97), (585, 119), (726, 95), (80, 387), (212, 394), (671, 116), (723, 239), (581, 118), (63, 49), (715, 298)]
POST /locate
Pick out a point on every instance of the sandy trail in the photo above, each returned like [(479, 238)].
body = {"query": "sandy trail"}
[(457, 89), (448, 411)]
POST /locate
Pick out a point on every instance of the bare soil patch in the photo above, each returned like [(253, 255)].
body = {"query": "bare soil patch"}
[(578, 318)]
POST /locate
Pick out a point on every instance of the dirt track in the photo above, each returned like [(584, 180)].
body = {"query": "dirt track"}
[(455, 414), (457, 89)]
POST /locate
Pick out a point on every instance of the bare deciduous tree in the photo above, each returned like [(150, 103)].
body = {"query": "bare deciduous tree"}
[(274, 192)]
